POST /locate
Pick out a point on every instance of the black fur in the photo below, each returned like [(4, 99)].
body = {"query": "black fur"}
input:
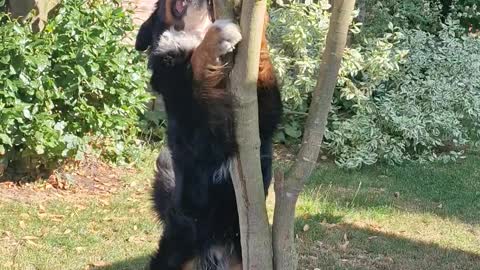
[(196, 203)]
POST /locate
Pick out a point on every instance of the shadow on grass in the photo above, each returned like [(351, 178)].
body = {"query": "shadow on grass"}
[(447, 190), (345, 246), (139, 263)]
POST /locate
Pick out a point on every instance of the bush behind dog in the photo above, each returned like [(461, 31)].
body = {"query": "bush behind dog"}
[(71, 86)]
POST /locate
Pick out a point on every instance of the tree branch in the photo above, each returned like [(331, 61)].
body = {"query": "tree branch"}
[(287, 190)]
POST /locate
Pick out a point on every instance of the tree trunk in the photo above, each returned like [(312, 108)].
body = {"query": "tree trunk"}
[(287, 190), (362, 11), (21, 8), (246, 171)]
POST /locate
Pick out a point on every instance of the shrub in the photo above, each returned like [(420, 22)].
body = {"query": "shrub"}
[(425, 15), (297, 33), (387, 107), (72, 85), (425, 112), (468, 12)]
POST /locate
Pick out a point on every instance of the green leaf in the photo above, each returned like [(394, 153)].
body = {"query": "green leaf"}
[(79, 156), (24, 79), (81, 70), (5, 139), (40, 149), (27, 114), (5, 59), (293, 132), (390, 26), (2, 150), (12, 70), (97, 83)]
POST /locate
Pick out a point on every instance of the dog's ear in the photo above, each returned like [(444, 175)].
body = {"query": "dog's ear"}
[(145, 34), (153, 27)]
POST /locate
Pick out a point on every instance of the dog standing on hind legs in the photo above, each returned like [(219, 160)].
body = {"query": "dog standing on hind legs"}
[(193, 191)]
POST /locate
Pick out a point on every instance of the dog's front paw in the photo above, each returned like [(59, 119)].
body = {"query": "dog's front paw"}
[(229, 36)]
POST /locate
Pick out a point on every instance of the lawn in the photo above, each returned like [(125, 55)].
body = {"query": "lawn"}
[(383, 217)]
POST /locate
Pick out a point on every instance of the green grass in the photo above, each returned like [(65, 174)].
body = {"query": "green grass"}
[(408, 217), (416, 216), (71, 237)]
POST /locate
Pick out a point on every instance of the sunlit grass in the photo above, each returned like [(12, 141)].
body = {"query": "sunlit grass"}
[(408, 217), (73, 235)]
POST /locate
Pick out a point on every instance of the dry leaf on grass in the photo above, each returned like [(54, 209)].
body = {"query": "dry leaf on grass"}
[(22, 225), (328, 225), (137, 239), (41, 208), (343, 247), (97, 264), (31, 243), (104, 202), (29, 237), (8, 184)]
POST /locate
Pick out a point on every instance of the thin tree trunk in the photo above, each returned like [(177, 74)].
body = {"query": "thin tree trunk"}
[(21, 8), (246, 171), (224, 9), (287, 190), (362, 11)]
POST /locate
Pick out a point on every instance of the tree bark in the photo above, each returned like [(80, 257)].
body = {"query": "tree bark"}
[(224, 9), (21, 8), (287, 190), (246, 171), (362, 11)]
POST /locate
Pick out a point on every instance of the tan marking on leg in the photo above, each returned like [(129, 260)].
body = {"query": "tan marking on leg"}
[(266, 74), (190, 265), (169, 20), (236, 267), (235, 263)]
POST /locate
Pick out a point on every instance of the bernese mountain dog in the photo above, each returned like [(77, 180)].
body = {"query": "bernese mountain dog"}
[(193, 191)]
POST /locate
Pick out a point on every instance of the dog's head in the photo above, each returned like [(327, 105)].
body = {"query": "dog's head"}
[(191, 16)]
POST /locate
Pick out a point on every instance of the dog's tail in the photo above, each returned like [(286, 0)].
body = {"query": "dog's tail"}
[(164, 184)]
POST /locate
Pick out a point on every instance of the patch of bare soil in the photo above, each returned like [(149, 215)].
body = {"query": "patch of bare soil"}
[(89, 178), (141, 9)]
